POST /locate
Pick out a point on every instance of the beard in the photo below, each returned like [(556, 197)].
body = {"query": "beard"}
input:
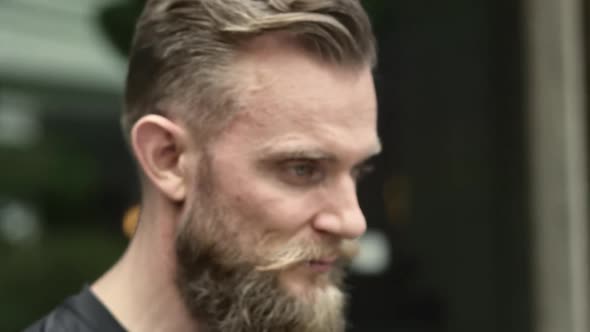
[(232, 286)]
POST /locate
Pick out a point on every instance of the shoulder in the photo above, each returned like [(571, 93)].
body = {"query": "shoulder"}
[(60, 319), (82, 312)]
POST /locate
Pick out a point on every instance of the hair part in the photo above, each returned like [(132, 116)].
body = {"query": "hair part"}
[(182, 51)]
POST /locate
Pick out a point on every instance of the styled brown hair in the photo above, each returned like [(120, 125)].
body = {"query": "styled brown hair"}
[(183, 49)]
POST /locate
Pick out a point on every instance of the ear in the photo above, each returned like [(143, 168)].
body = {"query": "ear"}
[(160, 147)]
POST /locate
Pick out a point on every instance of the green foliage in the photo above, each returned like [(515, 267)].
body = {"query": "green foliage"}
[(36, 278), (118, 23), (48, 168)]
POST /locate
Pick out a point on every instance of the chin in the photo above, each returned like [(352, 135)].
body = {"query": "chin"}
[(311, 287)]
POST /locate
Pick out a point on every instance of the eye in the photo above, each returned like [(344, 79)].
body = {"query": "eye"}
[(301, 172)]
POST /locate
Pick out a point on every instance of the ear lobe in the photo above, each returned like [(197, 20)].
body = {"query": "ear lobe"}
[(160, 147)]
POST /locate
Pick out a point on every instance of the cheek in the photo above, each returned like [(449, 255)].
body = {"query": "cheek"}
[(267, 207)]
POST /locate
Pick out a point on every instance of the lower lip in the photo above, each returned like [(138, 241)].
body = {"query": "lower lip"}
[(320, 266)]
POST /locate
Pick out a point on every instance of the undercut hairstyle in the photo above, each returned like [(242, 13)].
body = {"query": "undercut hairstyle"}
[(182, 52)]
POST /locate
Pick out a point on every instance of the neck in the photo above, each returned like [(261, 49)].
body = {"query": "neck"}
[(140, 289)]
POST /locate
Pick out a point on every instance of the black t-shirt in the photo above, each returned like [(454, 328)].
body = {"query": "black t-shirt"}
[(82, 312)]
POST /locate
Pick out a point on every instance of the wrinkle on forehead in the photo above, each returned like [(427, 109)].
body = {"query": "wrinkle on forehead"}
[(269, 96), (286, 96), (273, 64)]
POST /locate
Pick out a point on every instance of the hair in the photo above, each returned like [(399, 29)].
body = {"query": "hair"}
[(182, 51)]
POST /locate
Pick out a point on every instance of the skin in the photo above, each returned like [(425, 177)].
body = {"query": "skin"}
[(286, 164)]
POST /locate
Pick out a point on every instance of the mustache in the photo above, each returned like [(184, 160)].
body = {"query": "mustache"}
[(300, 252)]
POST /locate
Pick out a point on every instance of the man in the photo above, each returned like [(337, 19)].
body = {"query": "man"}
[(250, 121)]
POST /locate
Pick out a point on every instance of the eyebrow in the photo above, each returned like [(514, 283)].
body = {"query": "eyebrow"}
[(296, 153), (309, 152)]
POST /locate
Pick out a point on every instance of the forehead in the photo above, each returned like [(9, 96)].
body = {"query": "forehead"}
[(288, 97)]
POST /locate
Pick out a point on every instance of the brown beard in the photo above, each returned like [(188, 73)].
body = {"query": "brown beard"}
[(231, 290)]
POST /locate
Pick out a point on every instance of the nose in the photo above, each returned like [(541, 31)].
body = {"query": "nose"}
[(341, 214)]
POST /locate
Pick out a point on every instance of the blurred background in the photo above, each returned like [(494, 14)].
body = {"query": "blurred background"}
[(477, 210)]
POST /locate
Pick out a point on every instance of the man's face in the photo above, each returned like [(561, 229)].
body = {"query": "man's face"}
[(275, 212)]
